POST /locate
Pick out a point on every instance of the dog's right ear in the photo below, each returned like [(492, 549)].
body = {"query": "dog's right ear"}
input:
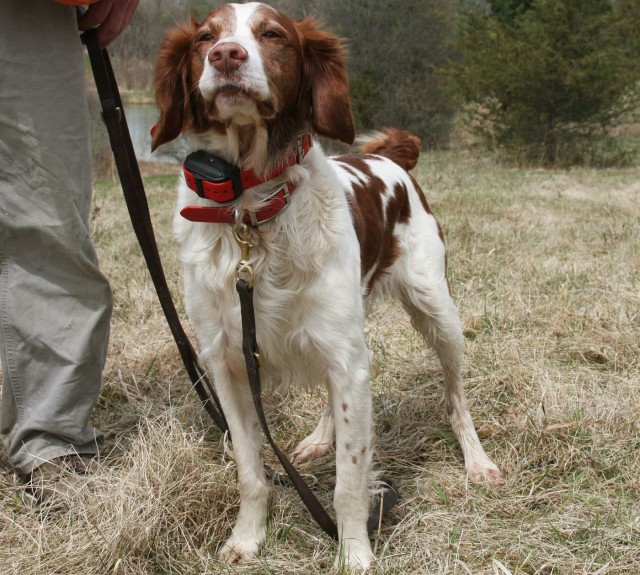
[(173, 84)]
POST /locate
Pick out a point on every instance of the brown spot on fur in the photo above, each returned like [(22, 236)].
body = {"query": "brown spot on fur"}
[(354, 460), (346, 420), (423, 199), (398, 211), (366, 209), (399, 146), (345, 407), (373, 222), (348, 446), (363, 451)]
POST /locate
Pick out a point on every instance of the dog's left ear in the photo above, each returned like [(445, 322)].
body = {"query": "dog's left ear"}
[(324, 57)]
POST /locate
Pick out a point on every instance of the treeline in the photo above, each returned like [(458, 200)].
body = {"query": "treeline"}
[(547, 81), (542, 80)]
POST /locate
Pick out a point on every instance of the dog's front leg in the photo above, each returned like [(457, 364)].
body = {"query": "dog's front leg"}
[(250, 529), (351, 403)]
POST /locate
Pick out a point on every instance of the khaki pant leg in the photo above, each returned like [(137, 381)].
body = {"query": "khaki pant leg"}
[(55, 305)]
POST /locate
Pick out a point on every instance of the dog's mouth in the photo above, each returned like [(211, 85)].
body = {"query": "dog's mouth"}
[(233, 91), (238, 96)]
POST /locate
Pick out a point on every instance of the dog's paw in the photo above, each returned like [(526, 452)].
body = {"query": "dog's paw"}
[(354, 556), (308, 451), (485, 472), (237, 550)]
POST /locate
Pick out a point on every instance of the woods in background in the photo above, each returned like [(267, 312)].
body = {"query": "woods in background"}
[(543, 81)]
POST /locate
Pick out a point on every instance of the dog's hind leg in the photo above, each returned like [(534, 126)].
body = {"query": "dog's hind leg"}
[(435, 316), (318, 442), (425, 295)]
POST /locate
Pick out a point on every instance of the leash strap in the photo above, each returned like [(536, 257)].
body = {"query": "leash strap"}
[(389, 496), (136, 200), (250, 349)]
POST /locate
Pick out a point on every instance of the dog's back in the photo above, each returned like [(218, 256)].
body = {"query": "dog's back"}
[(389, 210)]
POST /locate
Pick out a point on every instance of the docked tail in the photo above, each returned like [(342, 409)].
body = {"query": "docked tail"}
[(399, 146)]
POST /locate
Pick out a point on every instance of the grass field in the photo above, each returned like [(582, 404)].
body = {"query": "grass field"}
[(545, 268)]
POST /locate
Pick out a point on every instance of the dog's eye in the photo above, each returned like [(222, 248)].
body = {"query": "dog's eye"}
[(270, 34), (205, 38)]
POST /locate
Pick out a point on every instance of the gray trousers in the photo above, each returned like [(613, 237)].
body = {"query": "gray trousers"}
[(55, 305)]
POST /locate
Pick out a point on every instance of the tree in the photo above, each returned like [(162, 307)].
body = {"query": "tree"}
[(395, 51), (508, 10), (547, 78)]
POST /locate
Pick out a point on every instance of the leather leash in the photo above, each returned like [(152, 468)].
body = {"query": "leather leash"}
[(136, 200), (129, 173), (250, 349)]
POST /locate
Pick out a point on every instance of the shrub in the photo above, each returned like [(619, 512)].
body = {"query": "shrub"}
[(395, 52), (547, 79)]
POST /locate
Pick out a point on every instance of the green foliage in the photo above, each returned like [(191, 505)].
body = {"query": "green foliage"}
[(395, 50), (545, 83), (508, 10)]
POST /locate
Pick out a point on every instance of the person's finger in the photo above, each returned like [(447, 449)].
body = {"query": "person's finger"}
[(95, 15), (110, 17), (116, 22)]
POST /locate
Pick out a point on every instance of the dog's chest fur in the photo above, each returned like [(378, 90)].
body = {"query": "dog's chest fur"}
[(307, 294)]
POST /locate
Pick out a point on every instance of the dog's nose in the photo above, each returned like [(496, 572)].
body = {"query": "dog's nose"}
[(227, 56)]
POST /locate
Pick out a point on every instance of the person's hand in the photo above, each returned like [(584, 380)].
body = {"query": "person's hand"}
[(109, 16)]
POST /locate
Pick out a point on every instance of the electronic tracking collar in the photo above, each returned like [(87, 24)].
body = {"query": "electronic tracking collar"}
[(213, 178)]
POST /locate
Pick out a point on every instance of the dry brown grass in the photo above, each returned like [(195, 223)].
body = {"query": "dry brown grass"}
[(545, 267)]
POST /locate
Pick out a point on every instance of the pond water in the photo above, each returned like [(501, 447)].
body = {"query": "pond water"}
[(140, 120)]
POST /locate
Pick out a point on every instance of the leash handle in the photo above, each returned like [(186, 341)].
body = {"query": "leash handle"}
[(114, 117)]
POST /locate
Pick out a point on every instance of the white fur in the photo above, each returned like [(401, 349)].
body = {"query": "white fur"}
[(310, 314), (310, 326)]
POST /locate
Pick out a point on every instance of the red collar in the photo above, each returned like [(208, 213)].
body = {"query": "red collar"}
[(222, 192)]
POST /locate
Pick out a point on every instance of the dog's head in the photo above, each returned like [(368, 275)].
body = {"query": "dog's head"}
[(248, 65)]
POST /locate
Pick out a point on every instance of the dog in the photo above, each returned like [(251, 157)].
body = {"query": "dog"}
[(329, 235)]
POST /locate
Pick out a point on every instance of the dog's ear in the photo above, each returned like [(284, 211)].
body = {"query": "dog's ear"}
[(324, 58), (173, 84)]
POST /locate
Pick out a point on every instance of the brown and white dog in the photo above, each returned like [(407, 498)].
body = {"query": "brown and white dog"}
[(248, 84)]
